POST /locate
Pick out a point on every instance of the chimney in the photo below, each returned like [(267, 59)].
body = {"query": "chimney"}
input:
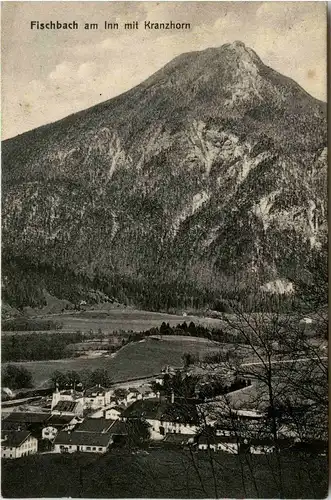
[(172, 397)]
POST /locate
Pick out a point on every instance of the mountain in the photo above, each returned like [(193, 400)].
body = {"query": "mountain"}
[(207, 177)]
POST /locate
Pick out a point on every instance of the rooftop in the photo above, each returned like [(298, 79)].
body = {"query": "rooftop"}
[(180, 439), (155, 409), (27, 417), (59, 420), (99, 425), (66, 406), (83, 438), (117, 408), (96, 390), (208, 436), (14, 439), (118, 429), (72, 392)]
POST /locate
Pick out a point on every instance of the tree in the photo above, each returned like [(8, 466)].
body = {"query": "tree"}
[(59, 380), (16, 377), (100, 376), (138, 432)]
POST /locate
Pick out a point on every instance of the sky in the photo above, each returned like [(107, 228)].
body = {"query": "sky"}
[(47, 75)]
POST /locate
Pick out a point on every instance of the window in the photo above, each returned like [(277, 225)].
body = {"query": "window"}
[(100, 449), (70, 446), (94, 448), (88, 447)]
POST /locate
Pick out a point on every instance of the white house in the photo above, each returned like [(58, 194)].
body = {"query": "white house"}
[(219, 443), (133, 395), (16, 444), (209, 439), (147, 392), (97, 397), (89, 442), (67, 395), (164, 417), (261, 446)]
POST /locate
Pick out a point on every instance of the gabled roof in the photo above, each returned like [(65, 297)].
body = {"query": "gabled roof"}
[(208, 436), (59, 420), (13, 426), (28, 417), (66, 406), (178, 438), (83, 439), (72, 392), (217, 439), (96, 390), (14, 439), (96, 425), (145, 408), (118, 429), (117, 408), (145, 389), (134, 390), (155, 409)]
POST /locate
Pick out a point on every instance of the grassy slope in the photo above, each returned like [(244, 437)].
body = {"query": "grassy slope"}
[(135, 360), (159, 473)]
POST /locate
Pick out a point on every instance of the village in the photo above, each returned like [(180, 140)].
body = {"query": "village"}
[(98, 419)]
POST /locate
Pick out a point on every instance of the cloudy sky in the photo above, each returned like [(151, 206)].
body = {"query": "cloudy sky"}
[(47, 75)]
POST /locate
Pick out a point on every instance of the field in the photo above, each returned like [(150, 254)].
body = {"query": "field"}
[(124, 319), (116, 320), (162, 473), (140, 359)]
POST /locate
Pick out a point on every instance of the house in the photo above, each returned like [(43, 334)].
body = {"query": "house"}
[(167, 370), (146, 392), (70, 408), (97, 397), (118, 431), (26, 420), (219, 443), (179, 439), (95, 425), (164, 417), (114, 413), (209, 440), (133, 395), (89, 442), (56, 423), (261, 446), (66, 395), (16, 444)]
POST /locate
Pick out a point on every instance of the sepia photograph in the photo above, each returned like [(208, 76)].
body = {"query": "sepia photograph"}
[(164, 258)]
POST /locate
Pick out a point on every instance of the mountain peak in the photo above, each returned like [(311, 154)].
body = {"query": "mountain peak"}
[(239, 49), (211, 168)]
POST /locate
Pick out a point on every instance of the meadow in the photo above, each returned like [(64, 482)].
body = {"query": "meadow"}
[(124, 320), (140, 359)]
